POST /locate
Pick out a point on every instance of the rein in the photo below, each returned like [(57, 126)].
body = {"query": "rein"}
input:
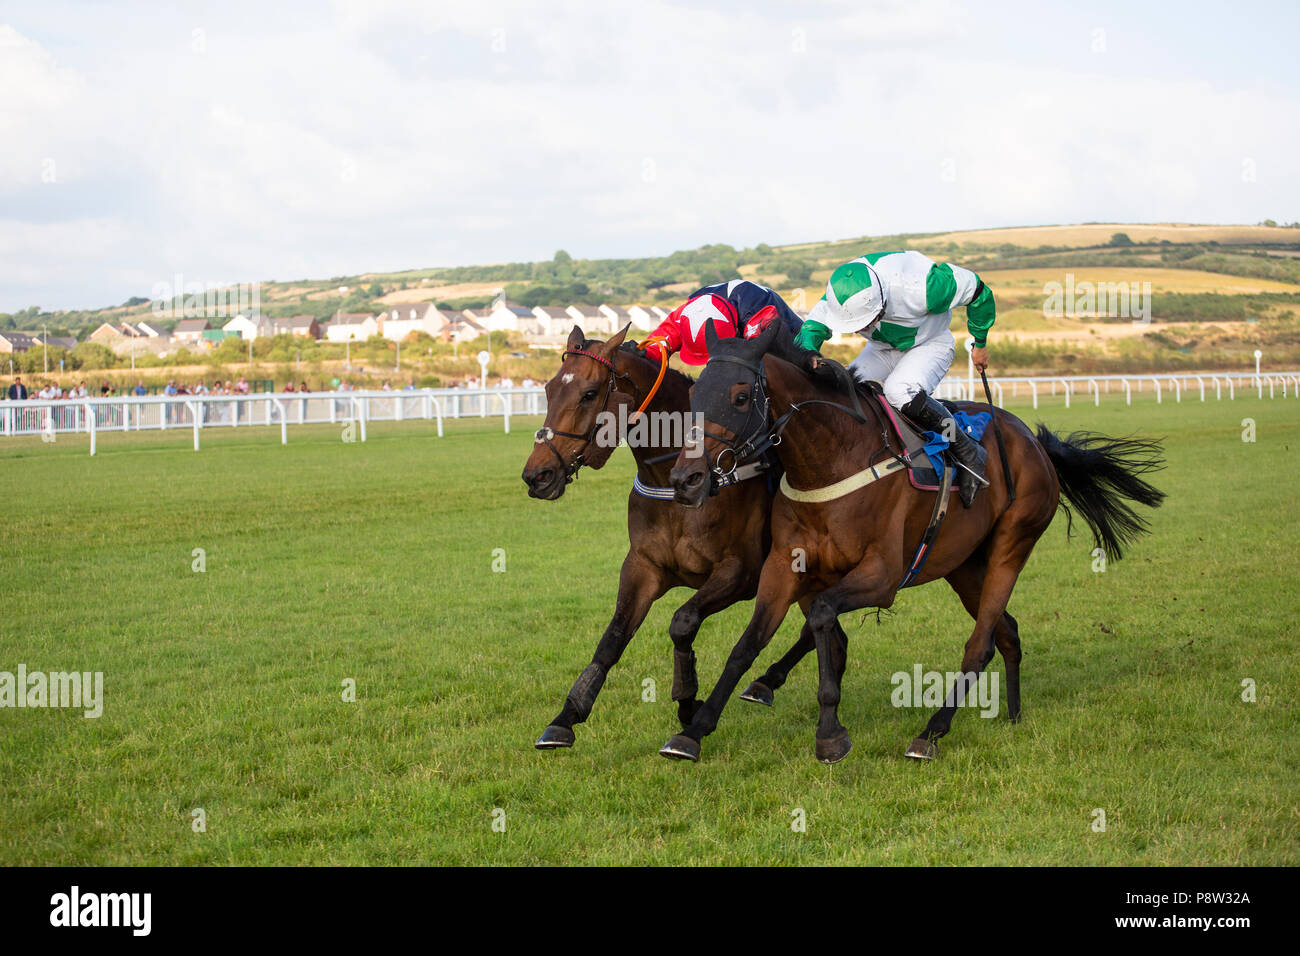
[(659, 379)]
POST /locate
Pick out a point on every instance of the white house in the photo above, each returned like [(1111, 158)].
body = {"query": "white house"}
[(304, 326), (553, 320), (398, 321), (646, 316), (190, 330), (352, 327), (462, 327), (618, 316), (506, 316), (590, 319), (249, 326)]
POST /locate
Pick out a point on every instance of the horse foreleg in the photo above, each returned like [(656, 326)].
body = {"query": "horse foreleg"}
[(777, 589), (762, 690), (868, 585), (640, 584), (723, 588)]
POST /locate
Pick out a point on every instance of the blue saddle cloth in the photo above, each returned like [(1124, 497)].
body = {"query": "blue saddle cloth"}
[(972, 425)]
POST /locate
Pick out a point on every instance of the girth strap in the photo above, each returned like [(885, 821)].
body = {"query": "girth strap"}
[(931, 532)]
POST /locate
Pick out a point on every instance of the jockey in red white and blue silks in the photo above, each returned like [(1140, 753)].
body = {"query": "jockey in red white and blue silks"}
[(729, 306)]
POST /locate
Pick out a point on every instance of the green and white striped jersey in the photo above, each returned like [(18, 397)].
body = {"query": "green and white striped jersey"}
[(919, 296)]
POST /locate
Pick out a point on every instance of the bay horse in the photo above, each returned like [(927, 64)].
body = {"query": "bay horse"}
[(859, 547), (716, 549)]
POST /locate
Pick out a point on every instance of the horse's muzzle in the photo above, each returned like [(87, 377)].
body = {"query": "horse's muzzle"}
[(544, 483), (690, 483)]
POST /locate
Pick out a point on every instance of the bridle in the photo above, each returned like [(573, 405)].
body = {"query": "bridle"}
[(544, 434), (766, 435), (751, 443)]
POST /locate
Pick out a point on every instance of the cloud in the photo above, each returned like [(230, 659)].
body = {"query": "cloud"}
[(258, 144)]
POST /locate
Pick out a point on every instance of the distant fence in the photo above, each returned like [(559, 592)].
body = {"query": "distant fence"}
[(94, 416), (1198, 385)]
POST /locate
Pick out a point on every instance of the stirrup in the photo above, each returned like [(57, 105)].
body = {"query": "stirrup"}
[(984, 482)]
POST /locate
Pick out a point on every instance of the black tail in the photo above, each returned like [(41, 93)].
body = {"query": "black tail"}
[(1099, 476)]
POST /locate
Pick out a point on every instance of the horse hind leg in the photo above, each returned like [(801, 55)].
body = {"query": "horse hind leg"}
[(1008, 641), (966, 582), (762, 691), (995, 592)]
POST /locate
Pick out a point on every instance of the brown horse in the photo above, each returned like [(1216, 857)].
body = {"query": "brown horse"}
[(718, 549), (857, 548)]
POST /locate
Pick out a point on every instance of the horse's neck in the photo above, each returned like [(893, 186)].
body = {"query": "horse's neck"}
[(819, 445), (673, 396)]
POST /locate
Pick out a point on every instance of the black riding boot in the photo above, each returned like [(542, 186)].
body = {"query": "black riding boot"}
[(928, 413)]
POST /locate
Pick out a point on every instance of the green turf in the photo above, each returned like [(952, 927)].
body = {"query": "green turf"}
[(328, 560)]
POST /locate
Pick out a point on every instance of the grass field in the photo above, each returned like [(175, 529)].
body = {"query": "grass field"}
[(327, 561)]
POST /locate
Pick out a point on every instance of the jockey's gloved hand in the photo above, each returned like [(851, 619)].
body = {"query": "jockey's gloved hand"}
[(652, 350), (825, 370)]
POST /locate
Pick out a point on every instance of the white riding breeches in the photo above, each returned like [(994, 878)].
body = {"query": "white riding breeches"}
[(903, 374)]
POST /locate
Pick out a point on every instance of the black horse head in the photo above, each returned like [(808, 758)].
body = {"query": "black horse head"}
[(731, 400)]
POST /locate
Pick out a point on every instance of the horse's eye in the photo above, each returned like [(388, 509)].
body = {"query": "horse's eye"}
[(589, 395), (742, 398)]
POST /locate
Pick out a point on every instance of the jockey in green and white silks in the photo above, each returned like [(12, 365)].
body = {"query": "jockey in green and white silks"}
[(902, 302)]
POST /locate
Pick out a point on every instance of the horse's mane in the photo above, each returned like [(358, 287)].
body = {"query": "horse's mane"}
[(633, 348)]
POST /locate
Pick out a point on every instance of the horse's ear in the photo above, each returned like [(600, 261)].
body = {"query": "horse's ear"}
[(710, 335), (576, 338), (617, 339)]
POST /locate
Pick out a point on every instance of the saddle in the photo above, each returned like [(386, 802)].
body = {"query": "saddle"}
[(920, 471)]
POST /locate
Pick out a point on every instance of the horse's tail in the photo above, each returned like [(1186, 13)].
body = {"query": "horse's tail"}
[(1100, 476)]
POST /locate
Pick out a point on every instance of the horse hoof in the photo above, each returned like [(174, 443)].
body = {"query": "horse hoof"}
[(922, 749), (555, 736), (681, 747), (759, 693), (1014, 718), (834, 749)]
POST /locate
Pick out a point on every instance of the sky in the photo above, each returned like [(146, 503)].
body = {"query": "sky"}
[(237, 142)]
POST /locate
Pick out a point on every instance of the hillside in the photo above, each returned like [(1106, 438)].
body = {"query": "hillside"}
[(1213, 292)]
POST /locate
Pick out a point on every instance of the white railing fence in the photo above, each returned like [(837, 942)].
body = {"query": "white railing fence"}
[(1196, 384), (93, 416)]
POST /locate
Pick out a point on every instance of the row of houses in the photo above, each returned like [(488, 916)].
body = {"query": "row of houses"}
[(540, 325), (544, 326), (12, 342)]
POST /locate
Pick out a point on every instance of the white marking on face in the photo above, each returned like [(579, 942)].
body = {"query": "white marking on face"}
[(566, 378)]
